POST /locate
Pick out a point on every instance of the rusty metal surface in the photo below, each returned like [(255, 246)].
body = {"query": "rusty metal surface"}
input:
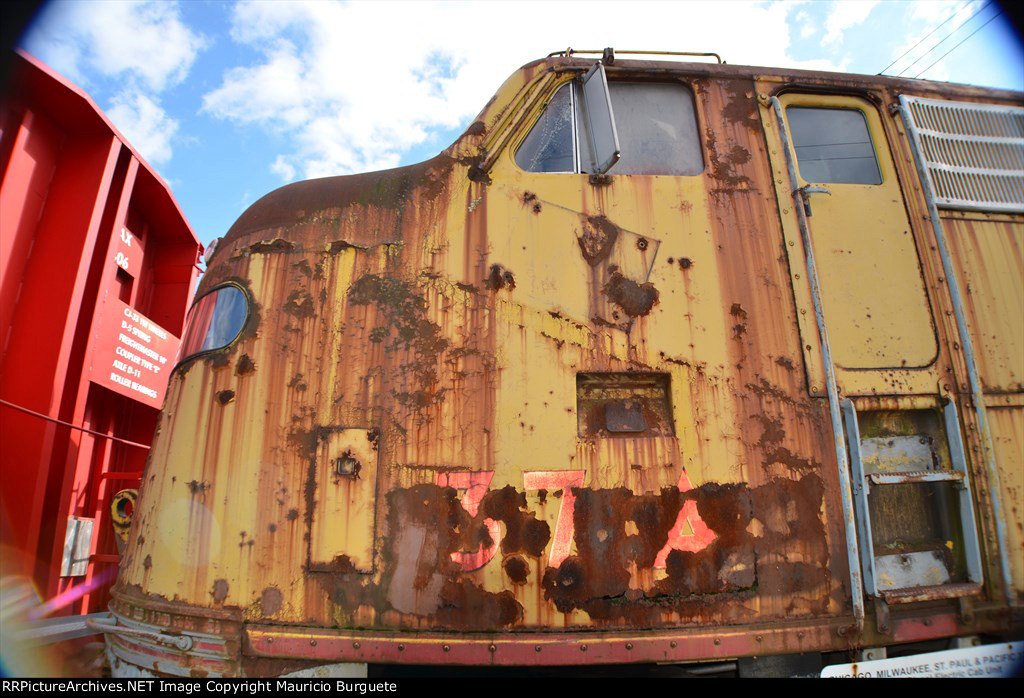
[(550, 649), (402, 448), (269, 649), (1007, 424), (982, 447), (931, 593), (989, 256), (563, 649)]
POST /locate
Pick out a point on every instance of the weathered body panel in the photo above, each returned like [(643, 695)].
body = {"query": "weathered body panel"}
[(408, 435), (987, 249)]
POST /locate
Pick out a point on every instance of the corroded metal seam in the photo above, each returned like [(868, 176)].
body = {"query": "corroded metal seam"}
[(567, 648), (845, 494), (977, 396), (541, 649)]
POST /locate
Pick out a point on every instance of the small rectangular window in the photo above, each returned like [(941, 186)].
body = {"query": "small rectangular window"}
[(833, 146), (656, 124)]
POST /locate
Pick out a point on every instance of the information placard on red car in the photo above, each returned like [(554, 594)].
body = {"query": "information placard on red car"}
[(132, 355)]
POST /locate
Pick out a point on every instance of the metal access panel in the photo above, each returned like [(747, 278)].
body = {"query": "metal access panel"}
[(345, 489), (973, 153)]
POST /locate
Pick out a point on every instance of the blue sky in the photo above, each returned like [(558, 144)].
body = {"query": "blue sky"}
[(229, 100)]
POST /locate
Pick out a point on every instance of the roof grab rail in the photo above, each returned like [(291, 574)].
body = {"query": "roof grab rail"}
[(608, 52)]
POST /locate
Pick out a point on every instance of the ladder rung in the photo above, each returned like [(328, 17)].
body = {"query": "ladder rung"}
[(916, 476), (930, 593)]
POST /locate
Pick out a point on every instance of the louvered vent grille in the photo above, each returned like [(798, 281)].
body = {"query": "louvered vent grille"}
[(973, 153)]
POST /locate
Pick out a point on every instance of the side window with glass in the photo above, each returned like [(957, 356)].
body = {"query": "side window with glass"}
[(833, 146), (656, 125), (215, 321)]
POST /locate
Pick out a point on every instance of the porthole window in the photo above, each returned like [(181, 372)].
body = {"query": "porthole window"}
[(215, 321)]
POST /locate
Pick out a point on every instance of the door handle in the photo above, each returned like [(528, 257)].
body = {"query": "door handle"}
[(805, 195)]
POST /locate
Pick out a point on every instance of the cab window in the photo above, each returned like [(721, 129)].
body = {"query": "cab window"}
[(656, 125), (551, 146)]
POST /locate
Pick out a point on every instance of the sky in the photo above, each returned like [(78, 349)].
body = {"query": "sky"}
[(230, 100)]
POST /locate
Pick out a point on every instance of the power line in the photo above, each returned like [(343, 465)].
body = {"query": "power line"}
[(955, 47), (955, 13), (962, 24)]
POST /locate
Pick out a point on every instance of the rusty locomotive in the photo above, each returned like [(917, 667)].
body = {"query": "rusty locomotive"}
[(660, 362)]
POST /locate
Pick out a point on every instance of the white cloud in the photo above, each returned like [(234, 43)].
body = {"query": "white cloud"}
[(355, 86), (273, 92), (145, 124), (145, 42), (144, 45), (283, 169), (843, 16), (933, 13), (806, 23)]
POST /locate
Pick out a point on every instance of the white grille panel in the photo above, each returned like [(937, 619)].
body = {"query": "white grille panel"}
[(973, 153)]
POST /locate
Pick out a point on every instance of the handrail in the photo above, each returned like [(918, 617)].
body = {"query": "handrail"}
[(72, 426), (59, 629), (839, 436), (181, 642), (570, 51)]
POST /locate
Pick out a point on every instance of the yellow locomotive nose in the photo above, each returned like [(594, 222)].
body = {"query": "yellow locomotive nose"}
[(659, 362)]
